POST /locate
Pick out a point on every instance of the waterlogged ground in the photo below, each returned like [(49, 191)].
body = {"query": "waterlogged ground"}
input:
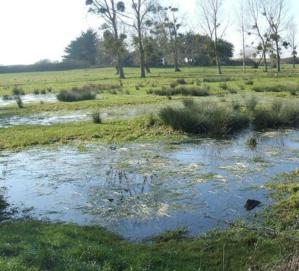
[(141, 190), (29, 98), (107, 114)]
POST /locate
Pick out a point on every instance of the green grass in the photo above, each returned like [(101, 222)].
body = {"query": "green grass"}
[(110, 132), (261, 245)]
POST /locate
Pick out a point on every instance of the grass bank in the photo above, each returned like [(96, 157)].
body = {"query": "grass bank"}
[(145, 128)]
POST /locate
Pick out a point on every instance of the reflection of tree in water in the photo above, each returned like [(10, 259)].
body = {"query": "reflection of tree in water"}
[(126, 194), (128, 184)]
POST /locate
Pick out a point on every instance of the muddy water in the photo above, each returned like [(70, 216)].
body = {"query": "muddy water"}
[(141, 190), (29, 98), (50, 118)]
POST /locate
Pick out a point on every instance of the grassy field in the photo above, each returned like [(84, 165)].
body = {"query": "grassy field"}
[(270, 242)]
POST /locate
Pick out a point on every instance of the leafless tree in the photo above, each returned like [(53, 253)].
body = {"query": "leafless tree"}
[(275, 13), (211, 11), (141, 10), (243, 24), (292, 41), (111, 11), (259, 28)]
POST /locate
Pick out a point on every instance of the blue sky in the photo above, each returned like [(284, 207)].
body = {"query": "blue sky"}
[(37, 29)]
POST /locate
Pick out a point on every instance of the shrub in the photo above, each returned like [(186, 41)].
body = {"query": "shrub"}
[(76, 94), (204, 118), (96, 117)]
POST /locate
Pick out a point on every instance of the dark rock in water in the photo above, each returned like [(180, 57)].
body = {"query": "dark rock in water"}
[(251, 204), (111, 200)]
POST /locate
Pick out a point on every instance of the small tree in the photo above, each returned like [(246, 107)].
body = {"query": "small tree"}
[(141, 10), (259, 29), (293, 41), (111, 11), (212, 23), (275, 13)]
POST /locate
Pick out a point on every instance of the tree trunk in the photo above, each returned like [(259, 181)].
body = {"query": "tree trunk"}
[(294, 61), (148, 69), (244, 54), (141, 52), (278, 57), (265, 61), (217, 60)]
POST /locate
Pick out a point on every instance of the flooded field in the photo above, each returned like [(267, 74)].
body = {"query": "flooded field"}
[(50, 118), (141, 190), (29, 98)]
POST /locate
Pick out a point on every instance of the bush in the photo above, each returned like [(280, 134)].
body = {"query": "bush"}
[(96, 117), (181, 90), (209, 119), (76, 94)]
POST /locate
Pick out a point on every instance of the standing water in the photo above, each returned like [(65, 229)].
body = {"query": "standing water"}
[(141, 190)]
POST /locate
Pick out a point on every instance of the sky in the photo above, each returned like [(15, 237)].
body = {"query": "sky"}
[(32, 30)]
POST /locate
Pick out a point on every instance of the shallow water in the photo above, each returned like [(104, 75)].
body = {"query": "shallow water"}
[(29, 98), (50, 118), (141, 190)]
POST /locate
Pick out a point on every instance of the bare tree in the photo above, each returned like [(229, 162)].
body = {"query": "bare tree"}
[(276, 14), (141, 10), (259, 28), (111, 11), (212, 23), (242, 21)]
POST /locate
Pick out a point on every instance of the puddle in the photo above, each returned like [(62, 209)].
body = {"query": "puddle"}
[(50, 118), (141, 190), (29, 98)]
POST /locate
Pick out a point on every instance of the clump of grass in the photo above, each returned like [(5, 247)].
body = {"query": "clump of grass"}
[(236, 106), (232, 90), (252, 142), (211, 119), (19, 102), (276, 88), (223, 86), (36, 92), (217, 79), (249, 82), (96, 117), (177, 235), (251, 103), (278, 115), (76, 94), (181, 81), (181, 90), (18, 91)]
